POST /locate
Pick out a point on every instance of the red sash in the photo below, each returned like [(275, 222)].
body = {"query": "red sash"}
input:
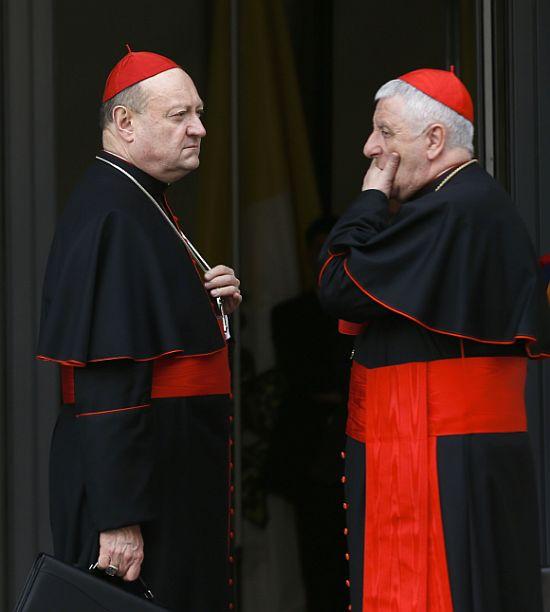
[(192, 376), (176, 376), (399, 411)]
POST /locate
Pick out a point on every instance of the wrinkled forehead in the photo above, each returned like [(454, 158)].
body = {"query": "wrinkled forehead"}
[(171, 88), (390, 111)]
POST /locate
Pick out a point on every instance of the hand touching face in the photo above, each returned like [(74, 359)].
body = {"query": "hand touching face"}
[(393, 134), (382, 178)]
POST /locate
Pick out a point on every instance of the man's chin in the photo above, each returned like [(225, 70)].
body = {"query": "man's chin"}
[(190, 155), (401, 193), (190, 162)]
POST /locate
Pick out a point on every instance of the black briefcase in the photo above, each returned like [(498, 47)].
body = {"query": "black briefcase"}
[(53, 586)]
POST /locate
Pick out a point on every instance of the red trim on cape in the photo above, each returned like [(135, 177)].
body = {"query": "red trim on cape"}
[(176, 376), (538, 356), (433, 329), (82, 364), (329, 259)]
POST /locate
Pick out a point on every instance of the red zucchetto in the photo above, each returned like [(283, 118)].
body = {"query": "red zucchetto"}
[(443, 86), (134, 67)]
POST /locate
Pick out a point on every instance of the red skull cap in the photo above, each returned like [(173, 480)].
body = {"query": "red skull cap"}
[(134, 67), (443, 86)]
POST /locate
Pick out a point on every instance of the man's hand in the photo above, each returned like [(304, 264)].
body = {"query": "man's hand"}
[(382, 178), (123, 549), (222, 282)]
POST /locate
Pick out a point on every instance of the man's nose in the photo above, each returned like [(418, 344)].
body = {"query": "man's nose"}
[(372, 147), (196, 128)]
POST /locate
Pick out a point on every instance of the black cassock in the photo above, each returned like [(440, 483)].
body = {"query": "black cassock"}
[(448, 300), (143, 435)]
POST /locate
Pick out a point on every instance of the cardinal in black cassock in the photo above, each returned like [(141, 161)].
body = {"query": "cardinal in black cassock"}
[(447, 301), (143, 436)]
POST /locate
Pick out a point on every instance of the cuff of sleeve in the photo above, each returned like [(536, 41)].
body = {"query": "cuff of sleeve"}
[(373, 197), (112, 512), (118, 522), (371, 207), (367, 216)]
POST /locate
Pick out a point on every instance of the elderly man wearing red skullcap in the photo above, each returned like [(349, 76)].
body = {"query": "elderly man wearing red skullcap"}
[(137, 321), (447, 301)]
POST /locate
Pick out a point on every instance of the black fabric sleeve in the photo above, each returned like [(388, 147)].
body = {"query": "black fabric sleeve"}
[(117, 437), (339, 295), (366, 218)]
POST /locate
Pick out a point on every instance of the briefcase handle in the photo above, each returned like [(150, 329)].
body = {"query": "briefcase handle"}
[(147, 593)]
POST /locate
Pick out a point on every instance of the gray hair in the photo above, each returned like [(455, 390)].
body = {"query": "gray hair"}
[(424, 111), (134, 98)]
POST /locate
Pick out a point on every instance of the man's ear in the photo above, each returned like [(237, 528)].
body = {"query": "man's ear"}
[(436, 137), (123, 123)]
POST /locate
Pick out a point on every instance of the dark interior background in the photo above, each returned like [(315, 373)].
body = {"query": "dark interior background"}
[(89, 38)]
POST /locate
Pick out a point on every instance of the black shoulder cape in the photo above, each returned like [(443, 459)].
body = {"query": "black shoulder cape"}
[(458, 261), (119, 283)]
